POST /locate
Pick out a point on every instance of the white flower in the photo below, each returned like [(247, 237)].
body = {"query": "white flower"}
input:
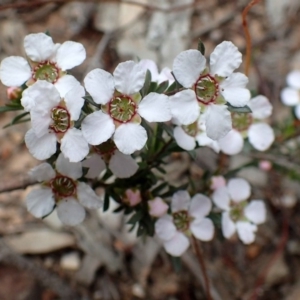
[(52, 120), (46, 61), (291, 95), (121, 165), (188, 216), (122, 109), (239, 215), (209, 88), (251, 125), (60, 187)]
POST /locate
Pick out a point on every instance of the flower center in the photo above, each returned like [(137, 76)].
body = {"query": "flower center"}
[(46, 71), (241, 121), (61, 119), (191, 129), (122, 108), (206, 89), (63, 186), (105, 150), (237, 211), (181, 220)]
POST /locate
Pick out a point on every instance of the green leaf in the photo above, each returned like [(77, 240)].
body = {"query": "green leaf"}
[(152, 87), (244, 109), (145, 88), (171, 88), (201, 47), (10, 108), (18, 119), (162, 87), (176, 263), (136, 217), (106, 202), (159, 188)]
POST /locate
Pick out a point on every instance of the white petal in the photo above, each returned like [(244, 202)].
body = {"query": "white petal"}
[(232, 143), (41, 148), (100, 85), (221, 197), (42, 172), (235, 80), (40, 202), (70, 212), (225, 59), (218, 121), (87, 196), (74, 146), (67, 168), (129, 77), (95, 164), (97, 128), (165, 228), (74, 101), (41, 96), (40, 123), (122, 166), (261, 136), (255, 211), (157, 207), (148, 64), (204, 140), (180, 201), (14, 71), (293, 79), (297, 111), (184, 140), (261, 107), (38, 46), (290, 96), (203, 229), (239, 189), (130, 137), (155, 108), (188, 66), (177, 245), (184, 107), (246, 231), (200, 206), (65, 84), (69, 55), (228, 226)]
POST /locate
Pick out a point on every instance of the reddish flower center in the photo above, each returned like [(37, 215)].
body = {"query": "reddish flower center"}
[(63, 186), (122, 108), (46, 70)]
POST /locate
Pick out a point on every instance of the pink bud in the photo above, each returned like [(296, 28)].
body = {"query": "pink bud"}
[(265, 165), (133, 197), (217, 182), (157, 207), (14, 93)]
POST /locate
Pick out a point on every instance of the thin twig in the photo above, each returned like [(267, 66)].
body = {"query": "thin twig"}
[(19, 184), (202, 265)]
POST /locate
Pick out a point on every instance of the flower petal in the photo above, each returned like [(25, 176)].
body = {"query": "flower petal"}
[(40, 123), (232, 143), (74, 146), (255, 212), (130, 137), (261, 136), (155, 108), (97, 128), (246, 231), (239, 189), (200, 206), (293, 79), (70, 212), (38, 46), (165, 228), (261, 107), (228, 226), (69, 55), (100, 85), (122, 166), (40, 202), (87, 196), (148, 64), (129, 77), (204, 140), (74, 101), (218, 121), (188, 66), (297, 111), (66, 83), (221, 198), (42, 172), (184, 107), (177, 245), (67, 168), (157, 207), (40, 147), (180, 201), (184, 140), (203, 229), (14, 71), (225, 59), (95, 164), (290, 96)]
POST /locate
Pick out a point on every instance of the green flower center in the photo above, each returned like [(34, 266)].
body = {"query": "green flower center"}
[(61, 119), (237, 211), (63, 186), (181, 220), (241, 121), (46, 71), (191, 129), (206, 89), (122, 108)]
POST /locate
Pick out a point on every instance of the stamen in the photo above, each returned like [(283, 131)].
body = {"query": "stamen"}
[(122, 108), (46, 71), (181, 220), (206, 89), (241, 121), (63, 186), (61, 119)]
